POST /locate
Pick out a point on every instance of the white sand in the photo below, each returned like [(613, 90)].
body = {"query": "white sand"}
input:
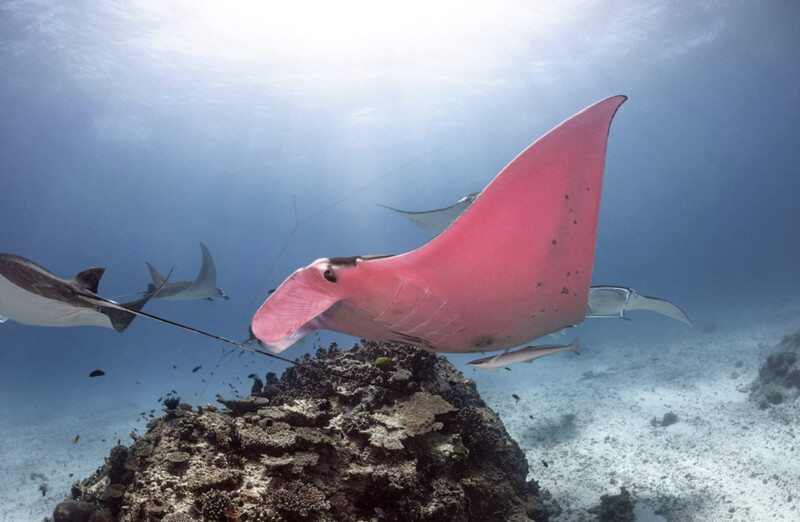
[(40, 451), (723, 460)]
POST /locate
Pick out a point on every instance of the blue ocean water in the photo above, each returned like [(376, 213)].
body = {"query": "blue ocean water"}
[(132, 131)]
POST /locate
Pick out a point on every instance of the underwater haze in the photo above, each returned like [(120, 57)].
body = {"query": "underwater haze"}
[(131, 131)]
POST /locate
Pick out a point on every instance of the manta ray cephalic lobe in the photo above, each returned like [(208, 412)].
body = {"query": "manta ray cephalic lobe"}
[(516, 265)]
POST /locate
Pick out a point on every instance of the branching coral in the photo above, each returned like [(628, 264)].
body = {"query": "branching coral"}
[(296, 500), (213, 504)]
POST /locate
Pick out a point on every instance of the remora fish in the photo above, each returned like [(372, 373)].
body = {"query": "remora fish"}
[(495, 362)]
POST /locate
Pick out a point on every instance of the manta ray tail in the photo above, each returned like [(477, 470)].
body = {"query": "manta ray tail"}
[(123, 314), (121, 319), (131, 311)]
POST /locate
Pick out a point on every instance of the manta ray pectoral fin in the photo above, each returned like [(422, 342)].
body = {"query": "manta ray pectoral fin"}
[(435, 221), (158, 279), (89, 279), (208, 272), (662, 306), (288, 314)]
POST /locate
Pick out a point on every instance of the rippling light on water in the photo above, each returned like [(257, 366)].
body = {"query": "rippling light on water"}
[(175, 53), (345, 37)]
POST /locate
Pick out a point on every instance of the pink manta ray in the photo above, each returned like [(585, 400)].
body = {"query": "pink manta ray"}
[(515, 266)]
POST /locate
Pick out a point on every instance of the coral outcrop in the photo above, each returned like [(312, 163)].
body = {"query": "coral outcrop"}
[(417, 444), (779, 377)]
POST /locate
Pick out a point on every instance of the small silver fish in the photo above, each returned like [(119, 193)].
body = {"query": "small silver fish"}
[(528, 354)]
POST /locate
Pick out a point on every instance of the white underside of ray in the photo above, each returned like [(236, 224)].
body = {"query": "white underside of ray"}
[(32, 309)]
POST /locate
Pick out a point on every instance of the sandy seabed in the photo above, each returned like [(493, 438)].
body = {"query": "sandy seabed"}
[(586, 428), (41, 451), (584, 424)]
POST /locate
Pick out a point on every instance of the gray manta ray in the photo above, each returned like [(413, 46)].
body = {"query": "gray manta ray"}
[(435, 221), (614, 301), (32, 295), (203, 287)]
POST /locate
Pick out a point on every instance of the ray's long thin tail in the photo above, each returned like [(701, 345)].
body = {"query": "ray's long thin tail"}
[(234, 343)]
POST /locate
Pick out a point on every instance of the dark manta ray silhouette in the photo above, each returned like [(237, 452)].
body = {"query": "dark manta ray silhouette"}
[(203, 287), (32, 295)]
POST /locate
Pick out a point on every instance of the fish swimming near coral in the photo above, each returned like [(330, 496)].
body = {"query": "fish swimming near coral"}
[(516, 264), (203, 287), (528, 354), (32, 295)]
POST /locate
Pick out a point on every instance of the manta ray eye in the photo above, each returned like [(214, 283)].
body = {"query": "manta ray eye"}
[(329, 275)]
